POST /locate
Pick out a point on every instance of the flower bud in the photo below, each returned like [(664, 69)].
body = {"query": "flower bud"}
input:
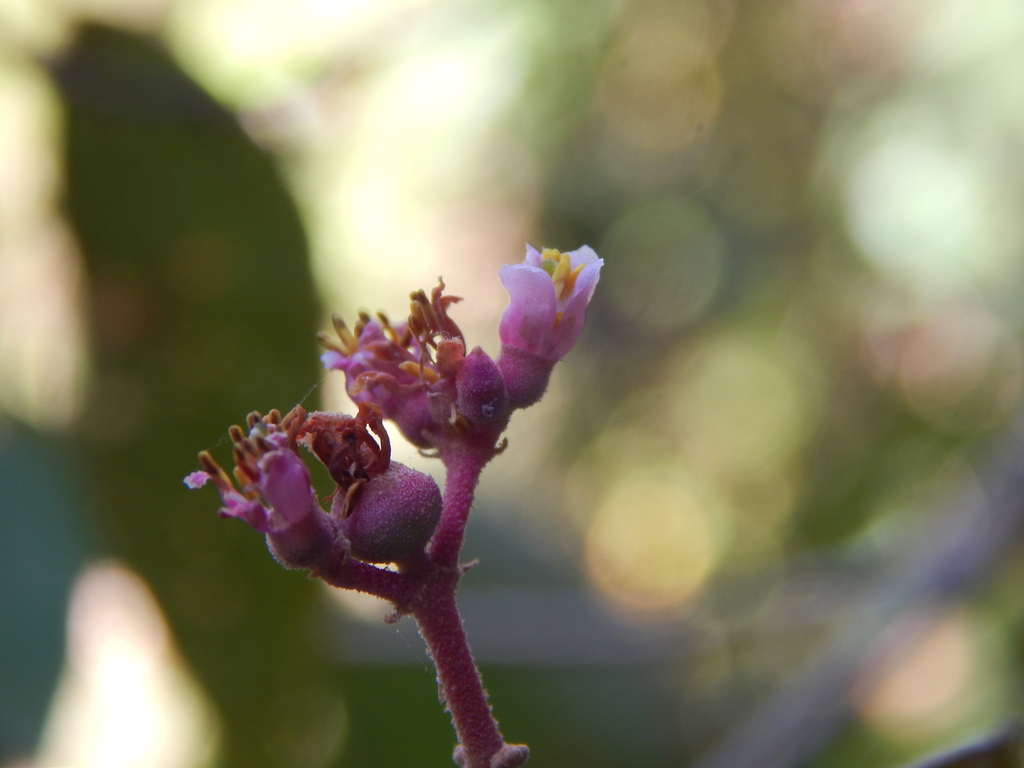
[(393, 516), (480, 389)]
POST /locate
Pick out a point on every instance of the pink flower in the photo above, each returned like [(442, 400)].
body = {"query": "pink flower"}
[(268, 467), (418, 373), (548, 297), (382, 365), (275, 495)]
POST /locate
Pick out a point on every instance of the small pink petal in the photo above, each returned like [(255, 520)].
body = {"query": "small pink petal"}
[(583, 255), (252, 512), (533, 257), (529, 319), (333, 361), (197, 480), (284, 482)]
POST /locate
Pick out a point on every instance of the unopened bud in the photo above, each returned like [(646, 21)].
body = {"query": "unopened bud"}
[(480, 390), (393, 517)]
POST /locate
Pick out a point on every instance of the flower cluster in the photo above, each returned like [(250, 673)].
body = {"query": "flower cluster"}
[(418, 371), (381, 511), (457, 403)]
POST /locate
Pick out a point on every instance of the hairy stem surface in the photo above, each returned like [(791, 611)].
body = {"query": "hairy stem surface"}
[(437, 614), (461, 687)]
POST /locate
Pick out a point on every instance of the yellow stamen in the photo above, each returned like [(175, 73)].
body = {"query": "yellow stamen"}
[(242, 476), (421, 372), (563, 276), (215, 471), (560, 274), (331, 343), (570, 282), (551, 254), (389, 329), (349, 342)]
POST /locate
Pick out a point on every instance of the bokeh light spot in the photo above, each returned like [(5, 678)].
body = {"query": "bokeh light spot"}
[(666, 258), (743, 408), (126, 699), (42, 338), (925, 686), (961, 367), (922, 213), (660, 90), (650, 546)]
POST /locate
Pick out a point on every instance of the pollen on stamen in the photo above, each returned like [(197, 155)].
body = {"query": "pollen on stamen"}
[(420, 300), (330, 343), (552, 255), (389, 329), (293, 422), (570, 282), (420, 371), (561, 275), (214, 470), (246, 449), (238, 452), (562, 268), (244, 475), (349, 343)]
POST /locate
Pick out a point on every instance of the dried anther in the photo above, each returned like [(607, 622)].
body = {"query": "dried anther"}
[(347, 447)]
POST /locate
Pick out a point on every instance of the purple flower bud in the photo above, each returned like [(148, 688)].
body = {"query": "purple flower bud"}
[(393, 516), (526, 375), (480, 389)]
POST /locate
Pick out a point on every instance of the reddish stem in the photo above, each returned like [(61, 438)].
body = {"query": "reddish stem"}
[(437, 614), (426, 589), (347, 573), (463, 465), (461, 687)]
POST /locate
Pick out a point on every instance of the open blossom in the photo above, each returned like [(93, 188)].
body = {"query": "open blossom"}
[(275, 495), (548, 297), (417, 371)]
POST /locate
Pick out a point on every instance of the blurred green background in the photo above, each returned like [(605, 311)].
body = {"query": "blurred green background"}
[(769, 512)]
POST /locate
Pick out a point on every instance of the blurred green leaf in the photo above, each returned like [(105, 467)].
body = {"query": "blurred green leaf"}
[(202, 308)]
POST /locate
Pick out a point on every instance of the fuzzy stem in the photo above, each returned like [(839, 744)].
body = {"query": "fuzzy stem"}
[(461, 687), (437, 614), (347, 573), (463, 465)]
